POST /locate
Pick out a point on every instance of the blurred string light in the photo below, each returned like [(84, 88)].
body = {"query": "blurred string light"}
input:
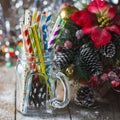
[(7, 25), (114, 1), (45, 2), (13, 0), (7, 43), (81, 4), (1, 32), (19, 4)]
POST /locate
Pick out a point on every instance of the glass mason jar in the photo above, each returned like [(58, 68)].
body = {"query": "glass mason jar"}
[(37, 84)]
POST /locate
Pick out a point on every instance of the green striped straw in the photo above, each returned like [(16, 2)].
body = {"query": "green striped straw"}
[(34, 46)]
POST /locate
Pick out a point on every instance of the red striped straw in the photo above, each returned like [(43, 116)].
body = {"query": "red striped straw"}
[(29, 49)]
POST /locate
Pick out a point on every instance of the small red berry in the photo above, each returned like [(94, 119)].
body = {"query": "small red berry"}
[(94, 78), (58, 48), (115, 83), (68, 44)]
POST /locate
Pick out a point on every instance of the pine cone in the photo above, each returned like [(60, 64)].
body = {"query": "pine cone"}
[(64, 58), (89, 58), (108, 50), (38, 93), (85, 97)]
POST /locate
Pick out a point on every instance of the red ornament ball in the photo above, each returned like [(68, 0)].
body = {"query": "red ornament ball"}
[(68, 44)]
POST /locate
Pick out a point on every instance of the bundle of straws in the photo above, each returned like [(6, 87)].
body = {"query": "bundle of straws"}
[(38, 42)]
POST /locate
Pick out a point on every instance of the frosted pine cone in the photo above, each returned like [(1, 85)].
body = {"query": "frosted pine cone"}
[(38, 93), (64, 58), (88, 56), (108, 50), (85, 97)]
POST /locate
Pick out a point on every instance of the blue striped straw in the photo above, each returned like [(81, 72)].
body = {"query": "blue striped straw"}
[(26, 98), (45, 41)]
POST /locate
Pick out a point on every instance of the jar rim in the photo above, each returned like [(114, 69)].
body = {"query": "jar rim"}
[(27, 57)]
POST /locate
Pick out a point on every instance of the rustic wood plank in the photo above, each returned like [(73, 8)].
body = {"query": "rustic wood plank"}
[(7, 93), (58, 114), (115, 105)]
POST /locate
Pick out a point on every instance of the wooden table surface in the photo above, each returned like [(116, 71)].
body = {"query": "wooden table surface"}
[(108, 108)]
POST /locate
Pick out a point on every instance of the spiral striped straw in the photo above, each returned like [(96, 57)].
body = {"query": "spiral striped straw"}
[(54, 39), (45, 31), (58, 22), (56, 31)]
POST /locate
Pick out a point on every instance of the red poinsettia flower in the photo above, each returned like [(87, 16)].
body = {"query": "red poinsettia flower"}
[(99, 20)]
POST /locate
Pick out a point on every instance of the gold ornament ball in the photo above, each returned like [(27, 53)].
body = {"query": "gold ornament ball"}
[(70, 70), (67, 11)]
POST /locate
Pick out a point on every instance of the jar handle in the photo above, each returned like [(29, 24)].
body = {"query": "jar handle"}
[(64, 80)]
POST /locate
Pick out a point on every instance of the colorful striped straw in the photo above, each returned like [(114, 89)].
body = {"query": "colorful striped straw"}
[(26, 98), (42, 19), (28, 17), (34, 16), (39, 47), (56, 31), (45, 41), (33, 46), (54, 37), (58, 22), (38, 18), (45, 31)]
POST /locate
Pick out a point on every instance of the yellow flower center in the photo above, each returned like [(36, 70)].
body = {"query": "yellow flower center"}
[(103, 22)]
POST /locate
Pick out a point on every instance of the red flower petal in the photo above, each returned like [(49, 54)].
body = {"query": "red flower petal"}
[(84, 18), (100, 37), (75, 16), (111, 12), (114, 28), (98, 6), (88, 30)]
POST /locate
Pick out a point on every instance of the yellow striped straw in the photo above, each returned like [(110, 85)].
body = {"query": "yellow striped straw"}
[(34, 16), (39, 47)]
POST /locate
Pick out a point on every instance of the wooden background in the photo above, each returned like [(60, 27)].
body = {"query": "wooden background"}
[(107, 108)]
